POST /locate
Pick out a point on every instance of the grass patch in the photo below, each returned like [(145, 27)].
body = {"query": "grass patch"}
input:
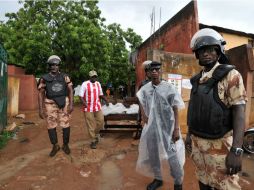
[(4, 137)]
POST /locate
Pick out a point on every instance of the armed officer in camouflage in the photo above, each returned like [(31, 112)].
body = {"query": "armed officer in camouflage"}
[(56, 96), (215, 115)]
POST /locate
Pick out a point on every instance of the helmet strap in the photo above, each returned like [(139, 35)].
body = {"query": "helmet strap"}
[(223, 59), (208, 66)]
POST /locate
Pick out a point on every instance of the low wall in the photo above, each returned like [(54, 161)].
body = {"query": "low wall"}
[(15, 70), (13, 96), (28, 94), (26, 90)]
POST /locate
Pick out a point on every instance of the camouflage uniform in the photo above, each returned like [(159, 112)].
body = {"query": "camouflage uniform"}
[(209, 155), (53, 112)]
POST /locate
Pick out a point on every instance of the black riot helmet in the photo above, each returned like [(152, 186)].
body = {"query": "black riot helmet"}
[(209, 37)]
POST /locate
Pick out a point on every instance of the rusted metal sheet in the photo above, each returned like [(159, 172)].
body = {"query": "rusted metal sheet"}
[(242, 58)]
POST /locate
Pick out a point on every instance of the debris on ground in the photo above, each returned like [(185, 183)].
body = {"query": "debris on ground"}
[(31, 178), (28, 123), (21, 116), (92, 156), (24, 140), (11, 127), (85, 174), (135, 143)]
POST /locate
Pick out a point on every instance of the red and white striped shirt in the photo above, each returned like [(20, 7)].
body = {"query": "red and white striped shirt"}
[(90, 92)]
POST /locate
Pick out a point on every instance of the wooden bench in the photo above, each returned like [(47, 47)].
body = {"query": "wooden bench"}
[(115, 123)]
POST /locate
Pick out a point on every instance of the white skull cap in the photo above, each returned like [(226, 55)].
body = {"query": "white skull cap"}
[(53, 57), (146, 64)]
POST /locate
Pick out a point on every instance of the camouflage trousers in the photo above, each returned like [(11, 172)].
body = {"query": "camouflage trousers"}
[(94, 123), (209, 156), (56, 116)]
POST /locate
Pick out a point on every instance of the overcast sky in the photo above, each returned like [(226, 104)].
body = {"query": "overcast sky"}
[(232, 14)]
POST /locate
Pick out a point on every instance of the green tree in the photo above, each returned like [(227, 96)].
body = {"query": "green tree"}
[(75, 31), (121, 71)]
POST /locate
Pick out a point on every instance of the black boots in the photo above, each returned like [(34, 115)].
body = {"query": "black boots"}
[(205, 187), (66, 149), (155, 184), (66, 137), (54, 150), (178, 187), (158, 183), (93, 145), (53, 140)]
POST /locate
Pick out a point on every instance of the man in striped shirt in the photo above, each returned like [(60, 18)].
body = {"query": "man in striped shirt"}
[(90, 94)]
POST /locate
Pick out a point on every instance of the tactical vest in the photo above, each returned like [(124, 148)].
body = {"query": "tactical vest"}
[(56, 88), (208, 116)]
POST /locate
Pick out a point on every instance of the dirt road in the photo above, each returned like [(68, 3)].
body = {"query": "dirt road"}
[(25, 164)]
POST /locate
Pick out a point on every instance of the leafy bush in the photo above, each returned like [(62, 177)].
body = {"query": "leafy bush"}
[(4, 137)]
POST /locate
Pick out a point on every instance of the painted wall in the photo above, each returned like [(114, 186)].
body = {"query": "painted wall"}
[(28, 94), (234, 40), (173, 36), (15, 70), (13, 95)]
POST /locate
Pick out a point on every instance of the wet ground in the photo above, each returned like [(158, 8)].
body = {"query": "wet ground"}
[(25, 164)]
